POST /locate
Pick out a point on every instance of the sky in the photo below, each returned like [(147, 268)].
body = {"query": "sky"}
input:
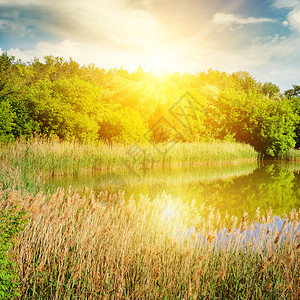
[(261, 37)]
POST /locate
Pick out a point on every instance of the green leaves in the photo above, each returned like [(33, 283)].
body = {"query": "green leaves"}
[(124, 124), (12, 221), (268, 125), (67, 108), (277, 134), (295, 91)]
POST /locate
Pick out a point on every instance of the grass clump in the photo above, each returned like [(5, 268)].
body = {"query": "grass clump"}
[(103, 247)]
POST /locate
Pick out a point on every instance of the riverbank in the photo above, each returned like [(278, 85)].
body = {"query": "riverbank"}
[(24, 162), (101, 247)]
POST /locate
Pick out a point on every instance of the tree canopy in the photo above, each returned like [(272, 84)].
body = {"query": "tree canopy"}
[(60, 97)]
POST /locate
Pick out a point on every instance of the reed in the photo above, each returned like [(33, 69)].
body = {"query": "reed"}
[(103, 247), (291, 155), (53, 157), (25, 162)]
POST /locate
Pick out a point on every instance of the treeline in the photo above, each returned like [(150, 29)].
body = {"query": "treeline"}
[(61, 98)]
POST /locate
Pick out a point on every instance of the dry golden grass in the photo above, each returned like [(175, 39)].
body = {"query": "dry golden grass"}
[(101, 247)]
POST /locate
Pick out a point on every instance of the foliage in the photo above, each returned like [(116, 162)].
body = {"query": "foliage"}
[(124, 124), (295, 104), (6, 121), (7, 90), (295, 91), (14, 111), (278, 129), (68, 108), (271, 90), (12, 221), (62, 98)]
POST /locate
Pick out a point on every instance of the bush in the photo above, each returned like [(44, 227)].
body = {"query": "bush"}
[(12, 221)]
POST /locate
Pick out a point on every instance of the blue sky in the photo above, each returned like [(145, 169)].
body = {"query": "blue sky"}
[(258, 36)]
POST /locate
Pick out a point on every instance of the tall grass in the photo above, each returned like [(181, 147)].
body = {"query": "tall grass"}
[(24, 162), (101, 247), (55, 157), (291, 155)]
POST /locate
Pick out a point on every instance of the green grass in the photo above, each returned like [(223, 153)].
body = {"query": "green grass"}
[(54, 157), (23, 163)]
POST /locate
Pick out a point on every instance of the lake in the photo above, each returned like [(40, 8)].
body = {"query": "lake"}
[(232, 187)]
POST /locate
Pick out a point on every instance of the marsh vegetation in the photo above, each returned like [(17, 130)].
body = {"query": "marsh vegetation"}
[(103, 247)]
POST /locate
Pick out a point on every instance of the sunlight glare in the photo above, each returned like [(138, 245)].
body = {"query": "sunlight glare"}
[(160, 61), (159, 65)]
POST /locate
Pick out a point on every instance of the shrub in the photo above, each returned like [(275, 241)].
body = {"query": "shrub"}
[(12, 221)]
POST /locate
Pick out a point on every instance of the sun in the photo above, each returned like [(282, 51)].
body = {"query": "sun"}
[(159, 63)]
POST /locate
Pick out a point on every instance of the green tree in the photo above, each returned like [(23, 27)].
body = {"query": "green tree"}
[(53, 68), (294, 92), (246, 82), (278, 127), (124, 124), (294, 96), (254, 118), (6, 121), (15, 120), (7, 90), (68, 108), (295, 104), (271, 90)]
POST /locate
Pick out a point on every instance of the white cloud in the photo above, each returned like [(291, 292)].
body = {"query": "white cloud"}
[(19, 2), (83, 53), (285, 23), (231, 19), (10, 27), (92, 21), (285, 3), (106, 57), (294, 18), (65, 48), (112, 20), (266, 39)]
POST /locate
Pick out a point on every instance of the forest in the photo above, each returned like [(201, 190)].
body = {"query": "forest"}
[(61, 98)]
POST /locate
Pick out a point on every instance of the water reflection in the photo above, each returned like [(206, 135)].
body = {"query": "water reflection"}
[(269, 186), (234, 187), (258, 236)]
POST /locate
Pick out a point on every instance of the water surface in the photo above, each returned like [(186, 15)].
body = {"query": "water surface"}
[(234, 188)]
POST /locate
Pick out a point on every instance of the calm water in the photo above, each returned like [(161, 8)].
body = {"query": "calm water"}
[(234, 187)]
